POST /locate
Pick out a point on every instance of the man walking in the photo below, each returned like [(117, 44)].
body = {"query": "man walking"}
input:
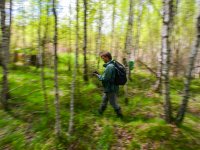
[(110, 88)]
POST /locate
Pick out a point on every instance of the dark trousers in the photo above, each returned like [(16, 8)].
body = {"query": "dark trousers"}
[(112, 98)]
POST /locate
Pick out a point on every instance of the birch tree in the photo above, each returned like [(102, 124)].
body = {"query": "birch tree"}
[(41, 47), (192, 58), (73, 84), (113, 28), (85, 73), (166, 55), (5, 50), (57, 102), (100, 23), (23, 11), (129, 37), (138, 29), (70, 37), (176, 41), (128, 46)]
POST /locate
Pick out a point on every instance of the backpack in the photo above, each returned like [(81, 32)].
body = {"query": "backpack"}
[(120, 74)]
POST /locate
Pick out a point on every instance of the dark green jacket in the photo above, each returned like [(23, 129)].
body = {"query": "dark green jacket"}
[(108, 78)]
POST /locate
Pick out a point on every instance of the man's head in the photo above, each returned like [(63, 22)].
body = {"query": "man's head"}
[(106, 56)]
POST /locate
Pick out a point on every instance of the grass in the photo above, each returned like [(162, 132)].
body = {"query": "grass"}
[(27, 126)]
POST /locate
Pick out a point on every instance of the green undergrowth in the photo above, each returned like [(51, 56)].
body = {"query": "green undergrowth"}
[(27, 125)]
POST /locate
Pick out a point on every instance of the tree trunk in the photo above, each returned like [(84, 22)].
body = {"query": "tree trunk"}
[(73, 84), (129, 38), (176, 61), (41, 46), (112, 48), (176, 42), (5, 46), (128, 48), (85, 73), (158, 85), (98, 42), (70, 37), (57, 103), (166, 55), (26, 59), (192, 58), (137, 39)]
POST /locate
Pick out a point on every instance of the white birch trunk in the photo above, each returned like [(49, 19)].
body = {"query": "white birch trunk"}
[(98, 42), (57, 103), (73, 84), (112, 48), (137, 40), (85, 73), (26, 59), (192, 58), (128, 47), (166, 55), (5, 47), (41, 58), (70, 37)]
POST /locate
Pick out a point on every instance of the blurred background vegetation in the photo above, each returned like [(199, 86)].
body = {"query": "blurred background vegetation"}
[(49, 97)]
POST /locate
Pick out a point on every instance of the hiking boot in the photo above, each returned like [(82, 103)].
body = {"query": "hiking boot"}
[(100, 112), (119, 113)]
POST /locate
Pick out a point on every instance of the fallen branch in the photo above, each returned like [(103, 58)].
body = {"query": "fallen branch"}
[(146, 66)]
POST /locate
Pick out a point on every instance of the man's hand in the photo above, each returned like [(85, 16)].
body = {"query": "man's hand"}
[(95, 72)]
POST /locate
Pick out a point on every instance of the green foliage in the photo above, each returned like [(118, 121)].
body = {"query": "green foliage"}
[(106, 138), (27, 51), (27, 126), (134, 145), (155, 132)]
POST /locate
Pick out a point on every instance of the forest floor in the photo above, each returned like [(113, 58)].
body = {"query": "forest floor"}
[(26, 126)]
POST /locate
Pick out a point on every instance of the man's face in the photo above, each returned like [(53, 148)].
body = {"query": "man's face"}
[(105, 59)]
